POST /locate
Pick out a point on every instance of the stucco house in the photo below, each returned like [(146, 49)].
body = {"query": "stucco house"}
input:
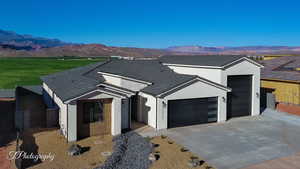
[(172, 91)]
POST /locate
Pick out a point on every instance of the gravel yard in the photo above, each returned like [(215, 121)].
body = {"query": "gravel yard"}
[(50, 141)]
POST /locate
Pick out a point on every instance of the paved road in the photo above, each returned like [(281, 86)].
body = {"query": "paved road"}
[(242, 142)]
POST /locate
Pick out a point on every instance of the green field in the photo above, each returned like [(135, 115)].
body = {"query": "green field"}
[(27, 71)]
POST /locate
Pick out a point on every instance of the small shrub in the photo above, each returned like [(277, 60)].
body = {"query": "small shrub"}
[(163, 136)]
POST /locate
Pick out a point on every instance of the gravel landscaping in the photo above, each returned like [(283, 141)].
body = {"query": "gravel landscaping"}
[(131, 151)]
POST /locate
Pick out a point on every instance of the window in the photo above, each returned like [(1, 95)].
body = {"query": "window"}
[(92, 112)]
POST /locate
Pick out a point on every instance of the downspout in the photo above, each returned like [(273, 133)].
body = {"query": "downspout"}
[(67, 122), (156, 115)]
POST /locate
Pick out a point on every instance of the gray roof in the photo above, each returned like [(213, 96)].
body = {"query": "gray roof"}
[(37, 89), (152, 71), (75, 82), (201, 60), (282, 68), (72, 83), (7, 93)]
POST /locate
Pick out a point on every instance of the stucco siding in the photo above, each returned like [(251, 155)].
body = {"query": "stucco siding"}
[(147, 109), (207, 73), (61, 106), (72, 122), (285, 92), (128, 84), (246, 68)]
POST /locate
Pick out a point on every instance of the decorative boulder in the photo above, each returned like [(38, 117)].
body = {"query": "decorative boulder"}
[(74, 150)]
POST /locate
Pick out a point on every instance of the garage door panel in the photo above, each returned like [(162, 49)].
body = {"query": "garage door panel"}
[(239, 99), (191, 111)]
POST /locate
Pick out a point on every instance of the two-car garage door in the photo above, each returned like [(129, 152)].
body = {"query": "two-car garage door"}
[(192, 111)]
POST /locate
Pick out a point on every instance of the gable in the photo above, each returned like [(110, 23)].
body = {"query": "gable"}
[(196, 90)]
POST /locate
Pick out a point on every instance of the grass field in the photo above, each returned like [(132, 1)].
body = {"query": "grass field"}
[(27, 71)]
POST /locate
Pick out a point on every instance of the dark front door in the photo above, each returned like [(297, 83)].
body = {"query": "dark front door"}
[(192, 111), (239, 99), (93, 117)]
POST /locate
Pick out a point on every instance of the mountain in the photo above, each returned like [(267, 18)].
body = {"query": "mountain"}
[(10, 39), (17, 45), (236, 50)]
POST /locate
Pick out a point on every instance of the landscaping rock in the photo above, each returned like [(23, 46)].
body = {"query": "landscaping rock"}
[(74, 150), (152, 157), (184, 149), (106, 153), (131, 151)]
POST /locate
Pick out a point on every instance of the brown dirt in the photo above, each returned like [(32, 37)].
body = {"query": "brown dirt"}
[(171, 156), (289, 108), (290, 162), (51, 141)]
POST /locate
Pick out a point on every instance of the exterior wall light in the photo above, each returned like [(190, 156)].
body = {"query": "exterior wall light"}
[(257, 94), (224, 99)]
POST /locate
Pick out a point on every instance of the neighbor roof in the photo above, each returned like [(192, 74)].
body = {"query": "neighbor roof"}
[(7, 93), (282, 68), (201, 60)]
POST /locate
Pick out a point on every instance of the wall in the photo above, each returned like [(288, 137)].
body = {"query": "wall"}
[(147, 109), (131, 85), (116, 110), (285, 92), (195, 90), (207, 73), (59, 104), (247, 68)]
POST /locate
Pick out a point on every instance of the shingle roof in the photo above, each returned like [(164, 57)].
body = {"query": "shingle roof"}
[(282, 68), (200, 60), (7, 93), (161, 77), (75, 82), (37, 89), (71, 83)]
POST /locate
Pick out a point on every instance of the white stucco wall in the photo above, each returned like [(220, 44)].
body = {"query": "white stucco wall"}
[(62, 109), (128, 84), (147, 107), (214, 75), (247, 68), (196, 90), (71, 117)]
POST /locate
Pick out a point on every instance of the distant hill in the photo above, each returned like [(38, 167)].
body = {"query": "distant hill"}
[(17, 45), (17, 41), (236, 50)]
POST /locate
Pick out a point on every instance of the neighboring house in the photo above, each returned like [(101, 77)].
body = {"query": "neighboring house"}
[(7, 110), (281, 76), (173, 91), (30, 108)]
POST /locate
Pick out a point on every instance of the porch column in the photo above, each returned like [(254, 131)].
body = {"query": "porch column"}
[(72, 122)]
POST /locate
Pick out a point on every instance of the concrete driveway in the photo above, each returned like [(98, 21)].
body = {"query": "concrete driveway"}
[(242, 142)]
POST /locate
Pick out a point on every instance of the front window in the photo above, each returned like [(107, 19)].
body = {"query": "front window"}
[(93, 112)]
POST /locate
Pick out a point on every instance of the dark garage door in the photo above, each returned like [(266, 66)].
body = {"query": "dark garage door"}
[(239, 100), (192, 111)]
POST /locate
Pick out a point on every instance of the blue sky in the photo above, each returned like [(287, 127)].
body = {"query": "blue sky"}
[(157, 23)]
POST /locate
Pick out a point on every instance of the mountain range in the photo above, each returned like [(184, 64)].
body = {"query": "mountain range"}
[(17, 45)]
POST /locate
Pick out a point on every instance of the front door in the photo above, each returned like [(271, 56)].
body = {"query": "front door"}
[(93, 117)]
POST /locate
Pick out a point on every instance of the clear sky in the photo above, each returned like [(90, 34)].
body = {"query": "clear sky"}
[(157, 23)]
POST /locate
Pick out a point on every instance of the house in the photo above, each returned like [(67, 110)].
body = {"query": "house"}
[(281, 76), (172, 91), (7, 110)]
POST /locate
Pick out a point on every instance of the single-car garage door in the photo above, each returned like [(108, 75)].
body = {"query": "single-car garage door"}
[(239, 99), (192, 111)]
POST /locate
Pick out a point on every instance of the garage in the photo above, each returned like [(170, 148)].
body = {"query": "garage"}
[(239, 99), (187, 112)]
